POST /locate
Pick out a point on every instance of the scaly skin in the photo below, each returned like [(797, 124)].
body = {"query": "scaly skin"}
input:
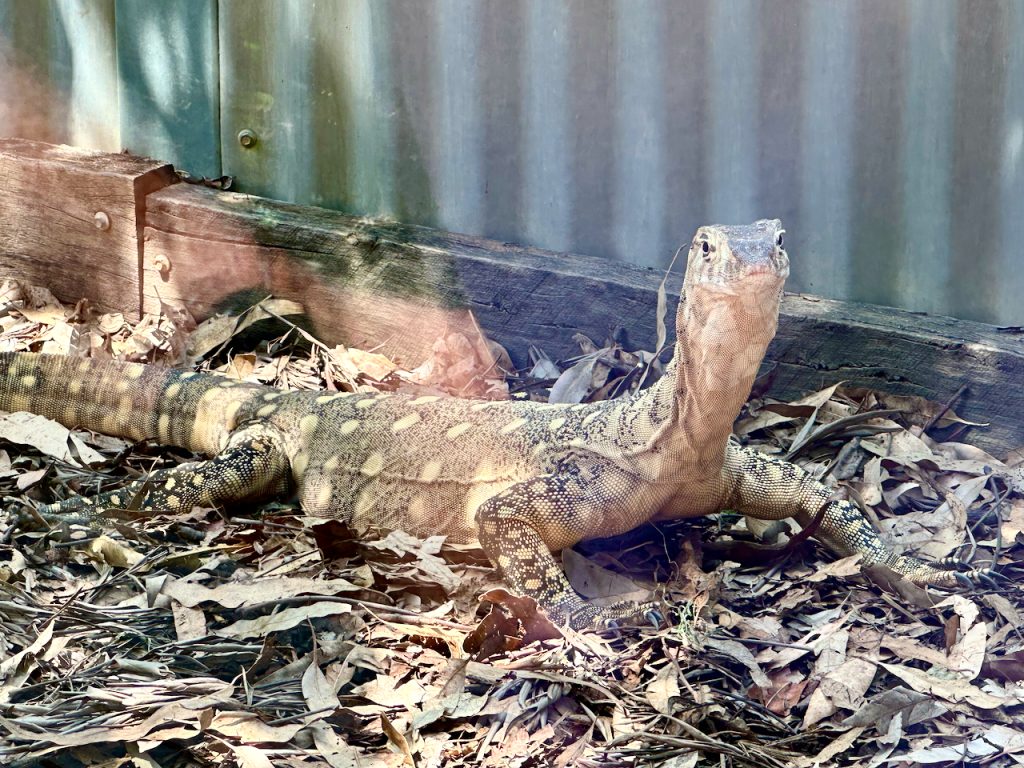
[(523, 479)]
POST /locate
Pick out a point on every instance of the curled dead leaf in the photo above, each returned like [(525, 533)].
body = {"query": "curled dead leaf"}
[(511, 623)]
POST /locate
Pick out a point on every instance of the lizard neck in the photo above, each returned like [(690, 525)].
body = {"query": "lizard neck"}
[(721, 340), (683, 422)]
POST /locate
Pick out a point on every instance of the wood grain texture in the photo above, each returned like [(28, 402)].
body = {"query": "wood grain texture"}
[(49, 198), (371, 282)]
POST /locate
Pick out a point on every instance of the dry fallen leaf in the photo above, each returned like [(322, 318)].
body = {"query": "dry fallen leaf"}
[(952, 689), (282, 620), (258, 592), (47, 436), (841, 688)]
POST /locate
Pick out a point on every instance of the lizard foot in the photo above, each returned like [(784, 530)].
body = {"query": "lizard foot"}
[(46, 518), (580, 614), (947, 573), (77, 510)]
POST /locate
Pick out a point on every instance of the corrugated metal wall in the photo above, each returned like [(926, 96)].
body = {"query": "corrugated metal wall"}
[(887, 134)]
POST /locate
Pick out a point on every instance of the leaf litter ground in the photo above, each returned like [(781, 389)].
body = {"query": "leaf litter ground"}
[(265, 638)]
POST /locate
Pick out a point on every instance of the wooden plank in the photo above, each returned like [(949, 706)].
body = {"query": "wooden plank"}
[(380, 283), (52, 200), (359, 283)]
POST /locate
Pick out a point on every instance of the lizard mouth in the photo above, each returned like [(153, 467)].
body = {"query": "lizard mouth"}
[(772, 271), (775, 266)]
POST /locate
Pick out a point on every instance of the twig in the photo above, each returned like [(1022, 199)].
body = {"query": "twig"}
[(942, 411)]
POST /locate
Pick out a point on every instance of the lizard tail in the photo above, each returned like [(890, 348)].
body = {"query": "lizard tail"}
[(129, 400)]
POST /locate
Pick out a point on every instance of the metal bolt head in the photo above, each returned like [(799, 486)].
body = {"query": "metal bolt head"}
[(101, 220), (162, 264), (247, 138)]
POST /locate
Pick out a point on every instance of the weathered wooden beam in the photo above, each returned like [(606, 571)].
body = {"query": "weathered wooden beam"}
[(71, 219), (399, 286), (372, 282)]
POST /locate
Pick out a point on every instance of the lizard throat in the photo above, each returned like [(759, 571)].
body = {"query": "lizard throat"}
[(721, 340), (689, 412)]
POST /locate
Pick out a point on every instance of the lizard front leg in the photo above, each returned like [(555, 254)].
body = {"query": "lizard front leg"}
[(252, 465), (770, 489), (521, 526)]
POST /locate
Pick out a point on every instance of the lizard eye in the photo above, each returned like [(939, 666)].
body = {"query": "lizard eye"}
[(705, 248), (779, 240)]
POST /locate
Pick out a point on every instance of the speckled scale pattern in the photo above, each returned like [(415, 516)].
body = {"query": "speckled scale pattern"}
[(523, 479)]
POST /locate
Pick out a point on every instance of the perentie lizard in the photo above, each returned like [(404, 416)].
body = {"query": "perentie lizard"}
[(524, 479)]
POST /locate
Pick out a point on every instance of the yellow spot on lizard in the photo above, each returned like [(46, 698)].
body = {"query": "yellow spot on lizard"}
[(232, 410), (323, 496), (364, 501), (458, 429), (430, 472), (307, 425), (512, 426), (418, 508), (373, 465), (484, 472), (406, 421)]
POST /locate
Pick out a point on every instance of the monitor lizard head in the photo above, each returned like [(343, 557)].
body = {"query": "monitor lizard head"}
[(743, 259), (733, 286)]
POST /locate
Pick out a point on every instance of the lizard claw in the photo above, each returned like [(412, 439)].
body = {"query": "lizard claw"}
[(655, 617), (963, 580), (611, 626), (991, 578)]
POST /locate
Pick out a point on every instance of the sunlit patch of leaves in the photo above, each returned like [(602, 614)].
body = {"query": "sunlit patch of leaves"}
[(264, 638)]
